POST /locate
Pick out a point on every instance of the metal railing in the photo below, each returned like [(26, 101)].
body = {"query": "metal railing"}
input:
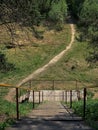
[(31, 85)]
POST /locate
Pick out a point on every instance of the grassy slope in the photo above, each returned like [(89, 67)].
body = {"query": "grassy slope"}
[(73, 66), (37, 53)]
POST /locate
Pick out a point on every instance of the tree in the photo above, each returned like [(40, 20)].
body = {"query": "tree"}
[(5, 66), (58, 11), (89, 27), (29, 13), (75, 6), (22, 12)]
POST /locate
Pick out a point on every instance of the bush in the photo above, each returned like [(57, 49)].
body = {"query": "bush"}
[(89, 94), (91, 109), (59, 27), (58, 11), (4, 64)]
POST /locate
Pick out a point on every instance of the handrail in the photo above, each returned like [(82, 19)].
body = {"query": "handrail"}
[(30, 88), (7, 85), (13, 86)]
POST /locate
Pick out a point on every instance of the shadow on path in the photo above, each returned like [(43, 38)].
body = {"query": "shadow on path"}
[(50, 116), (31, 124)]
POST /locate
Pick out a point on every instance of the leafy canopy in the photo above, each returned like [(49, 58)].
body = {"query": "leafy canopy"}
[(89, 26)]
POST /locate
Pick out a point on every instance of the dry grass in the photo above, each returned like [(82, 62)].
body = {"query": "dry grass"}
[(25, 36), (73, 66), (35, 52)]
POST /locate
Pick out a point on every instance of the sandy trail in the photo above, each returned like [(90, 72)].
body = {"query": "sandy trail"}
[(52, 61), (45, 67)]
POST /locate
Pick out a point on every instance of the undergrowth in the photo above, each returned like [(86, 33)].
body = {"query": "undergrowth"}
[(91, 115), (8, 110)]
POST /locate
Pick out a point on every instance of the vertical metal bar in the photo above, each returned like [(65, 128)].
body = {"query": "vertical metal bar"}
[(78, 95), (30, 85), (17, 104), (70, 98), (53, 85), (39, 97), (84, 105), (66, 96), (42, 96), (33, 100), (63, 96)]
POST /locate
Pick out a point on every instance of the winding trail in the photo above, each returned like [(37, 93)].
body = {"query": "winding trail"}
[(45, 67), (52, 61)]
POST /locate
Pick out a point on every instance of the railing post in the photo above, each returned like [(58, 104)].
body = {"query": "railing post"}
[(63, 96), (33, 100), (17, 104), (70, 98), (39, 97), (53, 85), (84, 105), (66, 96), (42, 96)]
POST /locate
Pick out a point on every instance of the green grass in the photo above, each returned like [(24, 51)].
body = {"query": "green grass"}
[(72, 66), (8, 110), (91, 111), (26, 59), (29, 58)]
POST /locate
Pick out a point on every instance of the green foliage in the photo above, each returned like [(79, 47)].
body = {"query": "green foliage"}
[(32, 11), (58, 11), (22, 11), (91, 110), (89, 95), (75, 6), (45, 6), (29, 13), (89, 12), (74, 58), (5, 66), (29, 58), (8, 109), (89, 27), (59, 27), (6, 123)]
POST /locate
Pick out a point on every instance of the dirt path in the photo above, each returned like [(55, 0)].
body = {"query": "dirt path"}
[(52, 61), (54, 111), (45, 67)]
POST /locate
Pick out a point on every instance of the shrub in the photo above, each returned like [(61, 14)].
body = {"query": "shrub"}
[(91, 109), (58, 11), (4, 64)]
